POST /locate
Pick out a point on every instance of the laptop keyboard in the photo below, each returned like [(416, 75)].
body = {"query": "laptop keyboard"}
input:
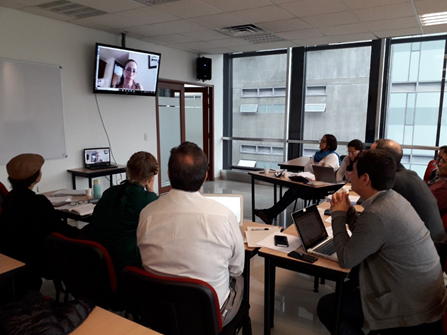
[(326, 248)]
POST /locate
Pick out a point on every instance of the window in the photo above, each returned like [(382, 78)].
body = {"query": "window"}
[(412, 110)]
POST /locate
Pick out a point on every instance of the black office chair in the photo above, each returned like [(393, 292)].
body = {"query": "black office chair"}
[(85, 268), (178, 306)]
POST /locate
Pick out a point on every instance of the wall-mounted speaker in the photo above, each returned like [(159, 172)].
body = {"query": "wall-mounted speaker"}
[(203, 68)]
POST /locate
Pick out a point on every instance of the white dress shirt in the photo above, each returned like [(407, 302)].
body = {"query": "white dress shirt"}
[(188, 235)]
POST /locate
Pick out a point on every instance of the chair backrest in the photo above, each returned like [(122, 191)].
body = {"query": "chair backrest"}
[(85, 267), (430, 167), (172, 305)]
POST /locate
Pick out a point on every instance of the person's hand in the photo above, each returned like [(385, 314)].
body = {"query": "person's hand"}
[(150, 184), (340, 202)]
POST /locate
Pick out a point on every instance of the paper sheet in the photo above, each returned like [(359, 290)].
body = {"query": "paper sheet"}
[(269, 242), (256, 234)]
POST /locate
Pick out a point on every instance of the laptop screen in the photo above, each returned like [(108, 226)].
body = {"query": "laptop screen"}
[(310, 227), (235, 202), (96, 156)]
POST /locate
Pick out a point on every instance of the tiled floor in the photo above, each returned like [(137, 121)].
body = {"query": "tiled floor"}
[(295, 301)]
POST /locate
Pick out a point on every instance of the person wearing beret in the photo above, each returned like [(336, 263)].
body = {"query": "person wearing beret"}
[(27, 219)]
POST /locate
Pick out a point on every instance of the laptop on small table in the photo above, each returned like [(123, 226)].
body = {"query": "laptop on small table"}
[(98, 158), (313, 234)]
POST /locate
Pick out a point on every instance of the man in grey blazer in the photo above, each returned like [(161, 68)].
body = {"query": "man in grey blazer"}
[(401, 286)]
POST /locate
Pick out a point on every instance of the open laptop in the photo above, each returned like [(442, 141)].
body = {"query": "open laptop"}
[(97, 158), (235, 202), (313, 234), (324, 173)]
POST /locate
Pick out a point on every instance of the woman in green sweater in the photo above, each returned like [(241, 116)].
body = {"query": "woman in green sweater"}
[(115, 218)]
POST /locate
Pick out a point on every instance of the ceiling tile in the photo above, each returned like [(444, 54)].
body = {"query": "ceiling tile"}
[(219, 20), (303, 33), (107, 20), (206, 35), (344, 29), (314, 7), (233, 5), (332, 19), (306, 42), (356, 4), (31, 2), (147, 15), (229, 42), (44, 13), (188, 8), (283, 25), (198, 45), (353, 38), (263, 14), (172, 39), (398, 32), (217, 51), (385, 12), (404, 22), (430, 6), (441, 28), (10, 4), (111, 6)]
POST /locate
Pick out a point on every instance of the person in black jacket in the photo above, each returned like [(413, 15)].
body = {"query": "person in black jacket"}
[(28, 218)]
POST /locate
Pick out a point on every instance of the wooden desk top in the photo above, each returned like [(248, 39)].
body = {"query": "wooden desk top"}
[(9, 265), (101, 321)]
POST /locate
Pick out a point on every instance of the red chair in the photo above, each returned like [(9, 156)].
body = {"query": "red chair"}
[(178, 306), (3, 193), (84, 267), (430, 167)]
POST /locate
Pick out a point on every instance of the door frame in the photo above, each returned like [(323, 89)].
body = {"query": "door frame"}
[(208, 120)]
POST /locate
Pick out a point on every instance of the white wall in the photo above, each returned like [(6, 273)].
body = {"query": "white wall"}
[(36, 39)]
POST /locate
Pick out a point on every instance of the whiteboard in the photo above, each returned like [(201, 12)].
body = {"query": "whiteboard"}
[(31, 110)]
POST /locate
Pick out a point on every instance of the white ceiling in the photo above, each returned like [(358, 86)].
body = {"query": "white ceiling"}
[(192, 25)]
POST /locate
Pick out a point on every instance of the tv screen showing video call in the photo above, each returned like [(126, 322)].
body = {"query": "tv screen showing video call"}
[(126, 71)]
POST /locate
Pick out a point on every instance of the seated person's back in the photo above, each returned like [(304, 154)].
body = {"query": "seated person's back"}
[(185, 234), (115, 218)]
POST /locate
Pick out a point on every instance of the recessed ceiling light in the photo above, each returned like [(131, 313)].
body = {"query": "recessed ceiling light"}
[(433, 19)]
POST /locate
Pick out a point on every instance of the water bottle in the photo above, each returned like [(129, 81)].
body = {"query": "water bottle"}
[(96, 189)]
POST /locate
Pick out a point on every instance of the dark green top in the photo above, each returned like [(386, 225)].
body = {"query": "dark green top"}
[(115, 222)]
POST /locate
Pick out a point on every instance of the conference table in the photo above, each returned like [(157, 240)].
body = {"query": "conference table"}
[(316, 190), (101, 321), (322, 268)]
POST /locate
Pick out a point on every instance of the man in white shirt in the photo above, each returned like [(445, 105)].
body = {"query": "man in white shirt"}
[(187, 235)]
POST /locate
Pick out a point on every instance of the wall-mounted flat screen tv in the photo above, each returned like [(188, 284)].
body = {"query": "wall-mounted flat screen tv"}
[(126, 71)]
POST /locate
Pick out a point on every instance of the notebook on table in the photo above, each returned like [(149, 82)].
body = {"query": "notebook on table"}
[(235, 202), (97, 158), (313, 234), (324, 173)]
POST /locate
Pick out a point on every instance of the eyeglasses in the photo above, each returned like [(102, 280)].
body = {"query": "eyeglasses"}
[(129, 70), (352, 153), (80, 202)]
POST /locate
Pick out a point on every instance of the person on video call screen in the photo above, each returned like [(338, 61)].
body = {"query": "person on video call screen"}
[(127, 79)]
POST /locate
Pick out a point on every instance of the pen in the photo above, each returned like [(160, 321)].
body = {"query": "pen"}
[(258, 229)]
